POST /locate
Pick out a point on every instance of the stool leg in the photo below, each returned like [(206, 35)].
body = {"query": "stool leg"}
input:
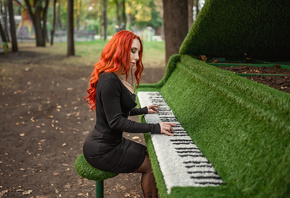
[(99, 189)]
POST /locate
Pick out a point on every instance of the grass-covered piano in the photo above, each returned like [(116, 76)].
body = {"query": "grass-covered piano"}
[(232, 138)]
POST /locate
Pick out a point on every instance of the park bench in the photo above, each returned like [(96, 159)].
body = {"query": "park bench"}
[(237, 128), (88, 35)]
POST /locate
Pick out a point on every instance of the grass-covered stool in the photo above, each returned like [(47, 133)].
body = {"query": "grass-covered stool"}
[(85, 170)]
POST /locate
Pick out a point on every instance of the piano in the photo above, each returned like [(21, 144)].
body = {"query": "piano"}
[(232, 135)]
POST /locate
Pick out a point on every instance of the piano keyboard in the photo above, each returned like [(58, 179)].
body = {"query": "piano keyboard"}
[(181, 162)]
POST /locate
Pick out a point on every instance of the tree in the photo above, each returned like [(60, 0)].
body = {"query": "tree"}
[(12, 26), (53, 22), (70, 28), (190, 13), (152, 17), (105, 18), (3, 12), (175, 28), (38, 14), (196, 5), (121, 14)]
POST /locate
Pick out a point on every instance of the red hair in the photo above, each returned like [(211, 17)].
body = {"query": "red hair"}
[(115, 55)]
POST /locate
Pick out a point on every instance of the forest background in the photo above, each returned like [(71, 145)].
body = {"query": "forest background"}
[(94, 19)]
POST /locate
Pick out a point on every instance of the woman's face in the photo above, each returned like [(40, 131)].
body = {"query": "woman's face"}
[(135, 49)]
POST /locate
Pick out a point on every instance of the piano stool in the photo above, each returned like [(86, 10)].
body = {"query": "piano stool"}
[(85, 170)]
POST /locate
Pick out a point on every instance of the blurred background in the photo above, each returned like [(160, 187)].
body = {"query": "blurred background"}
[(91, 18)]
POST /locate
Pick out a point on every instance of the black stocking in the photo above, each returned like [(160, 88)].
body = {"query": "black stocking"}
[(148, 181)]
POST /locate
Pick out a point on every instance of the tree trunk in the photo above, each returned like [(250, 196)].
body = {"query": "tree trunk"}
[(190, 13), (121, 14), (118, 14), (175, 25), (2, 34), (105, 19), (44, 21), (39, 18), (77, 13), (195, 4), (12, 26), (70, 28), (59, 24), (124, 18), (37, 27), (53, 23), (4, 15)]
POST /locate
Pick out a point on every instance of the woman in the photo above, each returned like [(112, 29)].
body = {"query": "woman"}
[(114, 100)]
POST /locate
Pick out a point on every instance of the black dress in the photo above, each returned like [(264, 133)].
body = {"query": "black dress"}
[(105, 148)]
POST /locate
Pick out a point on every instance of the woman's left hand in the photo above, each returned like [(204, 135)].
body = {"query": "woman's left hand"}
[(153, 108)]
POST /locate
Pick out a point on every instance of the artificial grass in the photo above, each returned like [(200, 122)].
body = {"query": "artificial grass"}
[(85, 170), (242, 127), (231, 28), (253, 65)]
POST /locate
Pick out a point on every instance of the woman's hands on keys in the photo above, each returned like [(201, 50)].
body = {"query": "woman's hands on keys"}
[(166, 128), (153, 108)]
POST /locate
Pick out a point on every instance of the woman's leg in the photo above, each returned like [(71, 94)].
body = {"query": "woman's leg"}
[(147, 181)]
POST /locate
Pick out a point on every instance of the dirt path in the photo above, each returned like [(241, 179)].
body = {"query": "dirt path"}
[(44, 121)]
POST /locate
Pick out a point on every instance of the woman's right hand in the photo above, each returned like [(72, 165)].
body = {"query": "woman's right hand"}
[(166, 128)]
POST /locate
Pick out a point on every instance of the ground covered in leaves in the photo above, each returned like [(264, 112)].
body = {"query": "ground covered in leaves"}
[(44, 121), (280, 82)]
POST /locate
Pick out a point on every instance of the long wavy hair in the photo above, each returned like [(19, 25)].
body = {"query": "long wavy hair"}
[(115, 55)]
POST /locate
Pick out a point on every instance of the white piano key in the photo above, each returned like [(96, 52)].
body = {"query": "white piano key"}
[(181, 162)]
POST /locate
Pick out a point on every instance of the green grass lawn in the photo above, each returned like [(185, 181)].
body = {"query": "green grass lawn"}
[(88, 52)]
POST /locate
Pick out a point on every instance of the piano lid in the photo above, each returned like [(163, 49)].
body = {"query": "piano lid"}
[(229, 29)]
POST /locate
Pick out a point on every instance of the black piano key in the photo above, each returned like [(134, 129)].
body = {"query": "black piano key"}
[(196, 162), (180, 140), (199, 166), (182, 143), (166, 119), (187, 148), (210, 183), (157, 100), (205, 177), (189, 152), (178, 129), (202, 172), (164, 108), (154, 94), (191, 155), (166, 113)]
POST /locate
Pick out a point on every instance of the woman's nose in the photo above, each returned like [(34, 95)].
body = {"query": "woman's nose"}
[(137, 57)]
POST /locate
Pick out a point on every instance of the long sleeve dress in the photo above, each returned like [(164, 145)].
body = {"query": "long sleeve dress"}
[(105, 148)]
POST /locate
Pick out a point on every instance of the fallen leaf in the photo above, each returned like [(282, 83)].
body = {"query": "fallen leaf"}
[(27, 192)]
